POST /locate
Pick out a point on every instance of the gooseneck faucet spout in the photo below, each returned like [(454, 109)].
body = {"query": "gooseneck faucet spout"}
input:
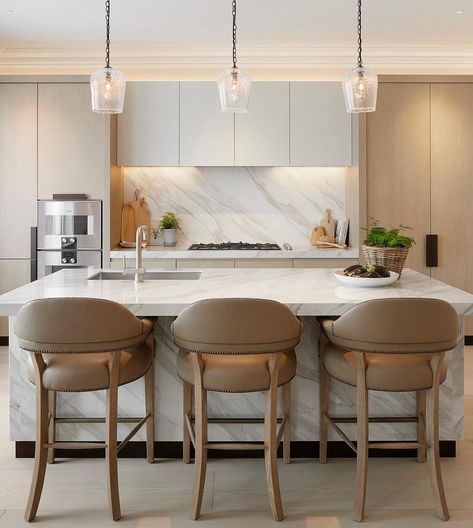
[(141, 235)]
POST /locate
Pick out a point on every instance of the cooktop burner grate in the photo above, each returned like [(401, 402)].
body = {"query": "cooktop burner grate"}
[(234, 245)]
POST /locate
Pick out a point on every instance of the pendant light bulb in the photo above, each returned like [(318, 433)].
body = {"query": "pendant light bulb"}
[(360, 86), (233, 84), (107, 86)]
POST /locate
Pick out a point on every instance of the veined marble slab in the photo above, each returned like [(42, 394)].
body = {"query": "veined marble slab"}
[(252, 204), (307, 292), (182, 252)]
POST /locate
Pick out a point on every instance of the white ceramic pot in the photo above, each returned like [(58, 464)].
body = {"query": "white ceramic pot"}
[(170, 237)]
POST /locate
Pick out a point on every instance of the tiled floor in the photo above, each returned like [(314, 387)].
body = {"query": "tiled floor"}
[(158, 496)]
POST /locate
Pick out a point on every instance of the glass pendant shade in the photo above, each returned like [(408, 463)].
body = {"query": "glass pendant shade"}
[(107, 88), (234, 87), (360, 88)]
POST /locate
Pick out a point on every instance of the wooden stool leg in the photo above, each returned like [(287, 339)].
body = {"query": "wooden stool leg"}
[(149, 403), (52, 397), (287, 407), (186, 411), (200, 398), (324, 409), (270, 432), (433, 454), (421, 403), (363, 437), (111, 426), (41, 452)]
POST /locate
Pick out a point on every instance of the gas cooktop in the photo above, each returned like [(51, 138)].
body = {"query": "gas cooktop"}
[(235, 245)]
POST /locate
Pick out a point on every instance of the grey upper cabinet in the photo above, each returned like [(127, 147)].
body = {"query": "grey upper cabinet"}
[(17, 169), (73, 142), (206, 133), (320, 127), (262, 134), (148, 129)]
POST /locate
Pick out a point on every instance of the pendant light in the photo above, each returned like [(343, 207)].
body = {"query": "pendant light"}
[(233, 84), (360, 86), (107, 86)]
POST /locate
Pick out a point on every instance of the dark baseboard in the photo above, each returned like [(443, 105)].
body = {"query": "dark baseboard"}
[(468, 340), (3, 340), (448, 448)]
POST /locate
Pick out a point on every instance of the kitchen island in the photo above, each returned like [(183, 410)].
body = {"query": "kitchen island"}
[(307, 292)]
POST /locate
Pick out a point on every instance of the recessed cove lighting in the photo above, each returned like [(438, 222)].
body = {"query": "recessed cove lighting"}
[(459, 12)]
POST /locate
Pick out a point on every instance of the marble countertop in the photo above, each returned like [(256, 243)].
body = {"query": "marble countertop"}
[(182, 252), (308, 292)]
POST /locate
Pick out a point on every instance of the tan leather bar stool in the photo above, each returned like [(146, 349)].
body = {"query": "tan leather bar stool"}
[(237, 345), (80, 345), (394, 345)]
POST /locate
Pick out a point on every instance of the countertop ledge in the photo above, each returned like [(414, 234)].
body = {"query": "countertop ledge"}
[(182, 252), (307, 292)]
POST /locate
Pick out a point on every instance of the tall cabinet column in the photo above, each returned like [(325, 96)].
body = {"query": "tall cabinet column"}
[(398, 162)]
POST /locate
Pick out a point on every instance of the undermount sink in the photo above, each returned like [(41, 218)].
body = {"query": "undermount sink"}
[(149, 275)]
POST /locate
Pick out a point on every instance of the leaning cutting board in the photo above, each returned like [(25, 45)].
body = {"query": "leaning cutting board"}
[(134, 214)]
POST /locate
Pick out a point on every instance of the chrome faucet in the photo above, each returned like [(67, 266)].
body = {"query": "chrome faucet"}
[(141, 234)]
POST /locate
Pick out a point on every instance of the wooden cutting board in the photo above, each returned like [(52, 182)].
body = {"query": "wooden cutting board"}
[(134, 214), (328, 223)]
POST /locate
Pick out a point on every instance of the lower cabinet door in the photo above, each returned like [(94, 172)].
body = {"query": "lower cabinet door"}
[(13, 273)]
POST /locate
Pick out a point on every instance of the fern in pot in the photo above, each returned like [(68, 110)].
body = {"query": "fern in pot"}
[(169, 225), (387, 247)]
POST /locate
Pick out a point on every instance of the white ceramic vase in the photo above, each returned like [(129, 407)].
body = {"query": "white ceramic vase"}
[(170, 237)]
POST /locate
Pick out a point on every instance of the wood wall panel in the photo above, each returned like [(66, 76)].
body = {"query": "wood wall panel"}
[(398, 162)]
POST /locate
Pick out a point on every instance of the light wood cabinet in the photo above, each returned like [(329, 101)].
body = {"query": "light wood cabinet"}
[(263, 263), (148, 129), (398, 163), (262, 134), (320, 127), (452, 184), (117, 264), (73, 142), (204, 263), (17, 169), (324, 263), (13, 274), (206, 133)]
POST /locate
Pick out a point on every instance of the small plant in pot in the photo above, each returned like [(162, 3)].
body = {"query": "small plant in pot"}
[(386, 247), (169, 225)]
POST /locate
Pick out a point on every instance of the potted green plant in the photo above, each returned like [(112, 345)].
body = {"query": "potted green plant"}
[(386, 247), (169, 225)]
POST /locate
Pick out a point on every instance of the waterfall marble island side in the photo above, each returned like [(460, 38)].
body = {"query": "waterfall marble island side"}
[(308, 292)]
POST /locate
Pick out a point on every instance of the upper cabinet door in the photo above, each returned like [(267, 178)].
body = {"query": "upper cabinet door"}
[(148, 129), (206, 133), (73, 142), (320, 128), (17, 169), (262, 135)]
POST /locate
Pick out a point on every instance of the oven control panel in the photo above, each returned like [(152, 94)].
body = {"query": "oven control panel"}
[(69, 243)]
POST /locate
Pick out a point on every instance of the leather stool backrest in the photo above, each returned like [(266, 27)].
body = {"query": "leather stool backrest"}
[(78, 325), (237, 326), (408, 325)]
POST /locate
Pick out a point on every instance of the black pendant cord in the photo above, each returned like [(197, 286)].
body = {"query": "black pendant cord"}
[(234, 33), (360, 50), (107, 30)]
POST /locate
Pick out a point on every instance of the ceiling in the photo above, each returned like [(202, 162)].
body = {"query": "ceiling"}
[(399, 35)]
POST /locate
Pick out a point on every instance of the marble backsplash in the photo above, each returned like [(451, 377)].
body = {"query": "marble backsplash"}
[(252, 204)]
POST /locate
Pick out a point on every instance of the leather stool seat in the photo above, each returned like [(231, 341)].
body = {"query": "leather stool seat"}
[(237, 373), (90, 372), (384, 372)]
